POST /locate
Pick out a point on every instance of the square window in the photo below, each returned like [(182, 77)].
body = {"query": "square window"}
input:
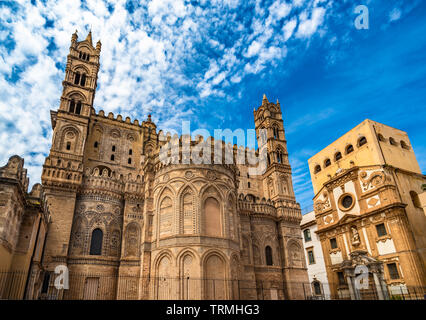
[(307, 235), (333, 243), (311, 257), (393, 271), (341, 278), (381, 230)]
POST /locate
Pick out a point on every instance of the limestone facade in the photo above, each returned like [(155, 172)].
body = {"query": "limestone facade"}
[(164, 231), (24, 218), (367, 209)]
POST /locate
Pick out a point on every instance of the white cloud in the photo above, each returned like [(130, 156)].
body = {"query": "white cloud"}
[(288, 29), (307, 27), (395, 14), (253, 49)]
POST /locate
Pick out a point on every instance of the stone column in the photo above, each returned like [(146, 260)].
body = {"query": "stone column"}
[(351, 288), (378, 286)]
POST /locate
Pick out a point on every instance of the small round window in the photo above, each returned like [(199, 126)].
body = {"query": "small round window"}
[(346, 202)]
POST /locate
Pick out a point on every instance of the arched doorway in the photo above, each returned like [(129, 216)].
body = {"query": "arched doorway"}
[(214, 283)]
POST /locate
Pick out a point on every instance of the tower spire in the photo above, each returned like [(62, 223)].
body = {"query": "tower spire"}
[(89, 37), (264, 100)]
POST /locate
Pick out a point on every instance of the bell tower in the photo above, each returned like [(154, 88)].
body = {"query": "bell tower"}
[(277, 177), (81, 75), (62, 173)]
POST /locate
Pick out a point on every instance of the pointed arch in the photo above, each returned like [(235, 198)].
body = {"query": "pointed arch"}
[(269, 256), (132, 240), (165, 213), (69, 138), (77, 78), (83, 79), (81, 68), (79, 235), (187, 207), (115, 243), (294, 254), (279, 153), (212, 221), (163, 279), (96, 242), (215, 274), (276, 131), (189, 275), (76, 95)]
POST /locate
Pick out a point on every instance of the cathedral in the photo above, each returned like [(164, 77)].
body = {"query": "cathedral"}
[(128, 226)]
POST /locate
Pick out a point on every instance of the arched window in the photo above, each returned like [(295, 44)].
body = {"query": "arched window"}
[(129, 161), (68, 145), (112, 157), (269, 160), (327, 163), (392, 141), (130, 152), (381, 138), (212, 217), (83, 79), (187, 212), (84, 56), (268, 256), (96, 242), (72, 106), (317, 168), (87, 57), (317, 288), (276, 132), (349, 149), (362, 141), (404, 145), (80, 53), (78, 108), (96, 144), (338, 156), (77, 78), (279, 156), (415, 199), (113, 148)]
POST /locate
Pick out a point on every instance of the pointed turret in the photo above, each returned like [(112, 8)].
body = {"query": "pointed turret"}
[(89, 37), (264, 100), (74, 37)]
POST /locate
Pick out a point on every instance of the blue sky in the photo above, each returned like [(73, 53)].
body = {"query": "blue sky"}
[(211, 61)]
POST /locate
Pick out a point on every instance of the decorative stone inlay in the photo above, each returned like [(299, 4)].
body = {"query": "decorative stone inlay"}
[(328, 219), (372, 202), (189, 174)]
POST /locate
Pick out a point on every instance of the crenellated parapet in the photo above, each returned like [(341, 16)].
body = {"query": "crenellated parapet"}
[(289, 211), (60, 173), (118, 118), (248, 204), (103, 180)]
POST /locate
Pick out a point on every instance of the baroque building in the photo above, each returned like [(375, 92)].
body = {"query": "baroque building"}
[(368, 212), (163, 230)]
